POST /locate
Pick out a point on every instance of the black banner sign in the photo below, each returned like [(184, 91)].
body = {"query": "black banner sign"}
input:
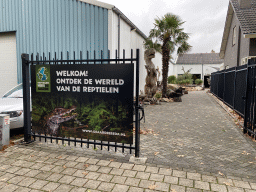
[(83, 101)]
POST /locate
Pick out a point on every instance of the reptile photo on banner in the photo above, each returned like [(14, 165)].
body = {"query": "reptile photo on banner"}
[(83, 101)]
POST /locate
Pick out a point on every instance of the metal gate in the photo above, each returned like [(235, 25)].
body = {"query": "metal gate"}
[(250, 101), (30, 136)]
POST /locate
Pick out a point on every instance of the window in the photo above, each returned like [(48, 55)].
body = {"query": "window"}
[(234, 36)]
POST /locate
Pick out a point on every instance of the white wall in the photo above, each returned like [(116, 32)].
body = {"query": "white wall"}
[(171, 70), (129, 40), (8, 62), (196, 69)]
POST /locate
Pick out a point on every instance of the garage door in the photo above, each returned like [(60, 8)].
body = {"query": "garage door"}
[(8, 62)]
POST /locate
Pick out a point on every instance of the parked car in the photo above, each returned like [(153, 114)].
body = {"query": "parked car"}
[(12, 103)]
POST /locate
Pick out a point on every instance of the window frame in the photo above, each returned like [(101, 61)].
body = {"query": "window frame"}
[(234, 36)]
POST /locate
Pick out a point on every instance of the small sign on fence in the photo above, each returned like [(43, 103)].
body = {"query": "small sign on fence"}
[(83, 101)]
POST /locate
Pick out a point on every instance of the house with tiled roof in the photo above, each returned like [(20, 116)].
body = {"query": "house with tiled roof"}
[(239, 36), (200, 65)]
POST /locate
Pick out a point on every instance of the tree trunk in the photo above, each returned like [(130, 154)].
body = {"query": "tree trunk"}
[(165, 65)]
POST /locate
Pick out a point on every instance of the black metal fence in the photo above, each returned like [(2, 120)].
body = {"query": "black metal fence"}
[(230, 87), (40, 60), (236, 88)]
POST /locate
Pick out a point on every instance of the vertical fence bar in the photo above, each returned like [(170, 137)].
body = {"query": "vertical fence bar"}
[(81, 56), (234, 98), (61, 56), (246, 101), (94, 55), (74, 57), (101, 56), (137, 126), (253, 101), (224, 82), (116, 56), (26, 98), (37, 58), (87, 56), (217, 85), (67, 57), (55, 58), (123, 56)]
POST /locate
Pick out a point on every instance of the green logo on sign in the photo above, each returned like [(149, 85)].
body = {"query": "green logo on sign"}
[(43, 78)]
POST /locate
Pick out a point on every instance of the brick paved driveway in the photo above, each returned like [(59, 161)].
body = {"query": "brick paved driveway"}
[(197, 134), (48, 168), (193, 147)]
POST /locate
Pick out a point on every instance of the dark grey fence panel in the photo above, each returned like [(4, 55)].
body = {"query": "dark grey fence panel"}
[(221, 85), (240, 92), (229, 88), (213, 82)]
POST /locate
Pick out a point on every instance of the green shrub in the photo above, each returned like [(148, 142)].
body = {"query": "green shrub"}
[(158, 95), (187, 76), (185, 79), (184, 82), (189, 81), (172, 79), (198, 81)]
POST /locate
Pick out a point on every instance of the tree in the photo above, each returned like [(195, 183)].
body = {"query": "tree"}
[(169, 33)]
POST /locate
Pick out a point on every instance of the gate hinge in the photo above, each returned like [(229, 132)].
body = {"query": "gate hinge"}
[(141, 108)]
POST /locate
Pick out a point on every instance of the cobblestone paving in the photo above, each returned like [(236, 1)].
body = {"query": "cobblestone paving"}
[(49, 167), (197, 134)]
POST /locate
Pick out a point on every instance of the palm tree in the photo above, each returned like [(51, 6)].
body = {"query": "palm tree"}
[(169, 33)]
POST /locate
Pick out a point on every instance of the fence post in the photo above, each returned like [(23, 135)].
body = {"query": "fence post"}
[(26, 97), (137, 118), (218, 86), (224, 82), (234, 98), (246, 99)]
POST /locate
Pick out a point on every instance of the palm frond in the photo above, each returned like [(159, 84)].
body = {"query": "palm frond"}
[(155, 45), (184, 47)]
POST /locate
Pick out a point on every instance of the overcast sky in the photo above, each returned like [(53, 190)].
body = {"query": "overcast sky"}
[(205, 19)]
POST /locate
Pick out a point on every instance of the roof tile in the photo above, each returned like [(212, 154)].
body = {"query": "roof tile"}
[(246, 17), (199, 58)]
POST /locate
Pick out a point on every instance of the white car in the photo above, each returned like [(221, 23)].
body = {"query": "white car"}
[(12, 103)]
